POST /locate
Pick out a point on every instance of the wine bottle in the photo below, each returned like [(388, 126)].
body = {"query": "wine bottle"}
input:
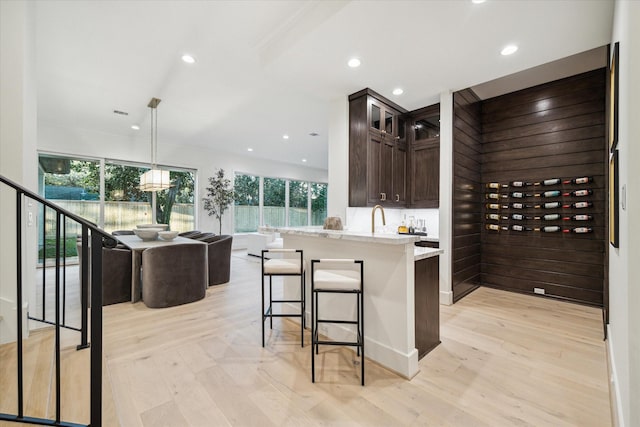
[(520, 206), (578, 218), (548, 229), (517, 227), (493, 206), (549, 205), (520, 195), (521, 184), (495, 227), (547, 182), (578, 193), (581, 180), (496, 185), (520, 217), (495, 217), (495, 196), (578, 205), (554, 193), (578, 230), (549, 217)]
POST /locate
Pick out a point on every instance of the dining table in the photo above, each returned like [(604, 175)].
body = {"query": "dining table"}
[(137, 246)]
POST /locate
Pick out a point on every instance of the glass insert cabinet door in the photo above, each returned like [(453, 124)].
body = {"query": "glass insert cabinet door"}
[(384, 119), (427, 128)]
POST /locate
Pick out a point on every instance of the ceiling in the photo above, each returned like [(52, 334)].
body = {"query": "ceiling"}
[(268, 68)]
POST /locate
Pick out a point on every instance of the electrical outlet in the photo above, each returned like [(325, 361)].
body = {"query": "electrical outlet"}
[(538, 291)]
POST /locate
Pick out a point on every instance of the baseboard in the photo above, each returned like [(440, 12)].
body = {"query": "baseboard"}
[(614, 390), (403, 364), (446, 297)]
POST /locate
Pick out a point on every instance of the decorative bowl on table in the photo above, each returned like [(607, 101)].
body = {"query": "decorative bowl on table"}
[(147, 234), (167, 235), (160, 227)]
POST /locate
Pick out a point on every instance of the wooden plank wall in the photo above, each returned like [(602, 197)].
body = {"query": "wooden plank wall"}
[(467, 193), (555, 130)]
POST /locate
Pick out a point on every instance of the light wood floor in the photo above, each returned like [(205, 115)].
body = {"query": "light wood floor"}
[(505, 360)]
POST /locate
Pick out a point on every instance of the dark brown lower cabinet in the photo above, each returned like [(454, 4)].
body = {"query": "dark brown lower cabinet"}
[(427, 305)]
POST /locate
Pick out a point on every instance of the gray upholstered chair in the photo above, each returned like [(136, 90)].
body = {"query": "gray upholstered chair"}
[(116, 275), (189, 233), (205, 237), (174, 275), (116, 272), (219, 254), (122, 233)]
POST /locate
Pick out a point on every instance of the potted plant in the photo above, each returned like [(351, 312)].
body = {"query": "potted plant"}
[(219, 196)]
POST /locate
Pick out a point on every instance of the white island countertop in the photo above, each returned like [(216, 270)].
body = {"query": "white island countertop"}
[(424, 253), (355, 236), (359, 236)]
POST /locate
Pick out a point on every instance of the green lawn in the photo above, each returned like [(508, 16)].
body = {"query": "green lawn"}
[(50, 245)]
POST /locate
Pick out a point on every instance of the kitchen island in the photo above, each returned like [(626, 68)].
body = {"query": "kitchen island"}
[(389, 289)]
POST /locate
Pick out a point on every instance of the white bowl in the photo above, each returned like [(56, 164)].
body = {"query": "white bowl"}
[(158, 226), (167, 235), (147, 234)]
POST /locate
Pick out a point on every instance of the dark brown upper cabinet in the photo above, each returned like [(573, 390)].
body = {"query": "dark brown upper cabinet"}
[(378, 151), (424, 154)]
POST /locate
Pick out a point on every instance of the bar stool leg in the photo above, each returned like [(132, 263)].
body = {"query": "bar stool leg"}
[(302, 310), (361, 328), (270, 302), (262, 314), (313, 330)]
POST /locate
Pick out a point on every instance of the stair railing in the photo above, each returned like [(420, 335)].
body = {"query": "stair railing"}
[(91, 302)]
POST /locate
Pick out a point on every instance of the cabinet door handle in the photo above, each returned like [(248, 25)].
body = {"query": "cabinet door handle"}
[(383, 196), (397, 197)]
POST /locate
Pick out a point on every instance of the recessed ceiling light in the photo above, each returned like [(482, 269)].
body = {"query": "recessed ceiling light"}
[(510, 49), (477, 1), (398, 91), (285, 136), (135, 127), (304, 160), (249, 149), (188, 59), (354, 63)]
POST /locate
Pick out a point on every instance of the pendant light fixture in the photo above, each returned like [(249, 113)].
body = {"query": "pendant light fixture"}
[(154, 179)]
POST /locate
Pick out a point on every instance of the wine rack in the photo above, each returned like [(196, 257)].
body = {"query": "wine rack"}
[(537, 206)]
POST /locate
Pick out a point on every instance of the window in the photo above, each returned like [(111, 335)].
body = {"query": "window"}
[(125, 205), (274, 202), (75, 184), (318, 203), (175, 206), (298, 203), (247, 203), (284, 203)]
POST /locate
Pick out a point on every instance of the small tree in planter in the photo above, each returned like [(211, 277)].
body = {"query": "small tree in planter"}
[(219, 196)]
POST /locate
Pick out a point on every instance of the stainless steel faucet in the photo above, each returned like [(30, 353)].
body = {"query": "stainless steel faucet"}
[(373, 217)]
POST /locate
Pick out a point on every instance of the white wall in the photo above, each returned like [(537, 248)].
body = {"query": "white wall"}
[(446, 195), (624, 268), (17, 152), (338, 151), (83, 142)]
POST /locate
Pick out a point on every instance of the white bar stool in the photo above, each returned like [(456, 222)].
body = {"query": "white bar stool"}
[(285, 266), (335, 277)]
